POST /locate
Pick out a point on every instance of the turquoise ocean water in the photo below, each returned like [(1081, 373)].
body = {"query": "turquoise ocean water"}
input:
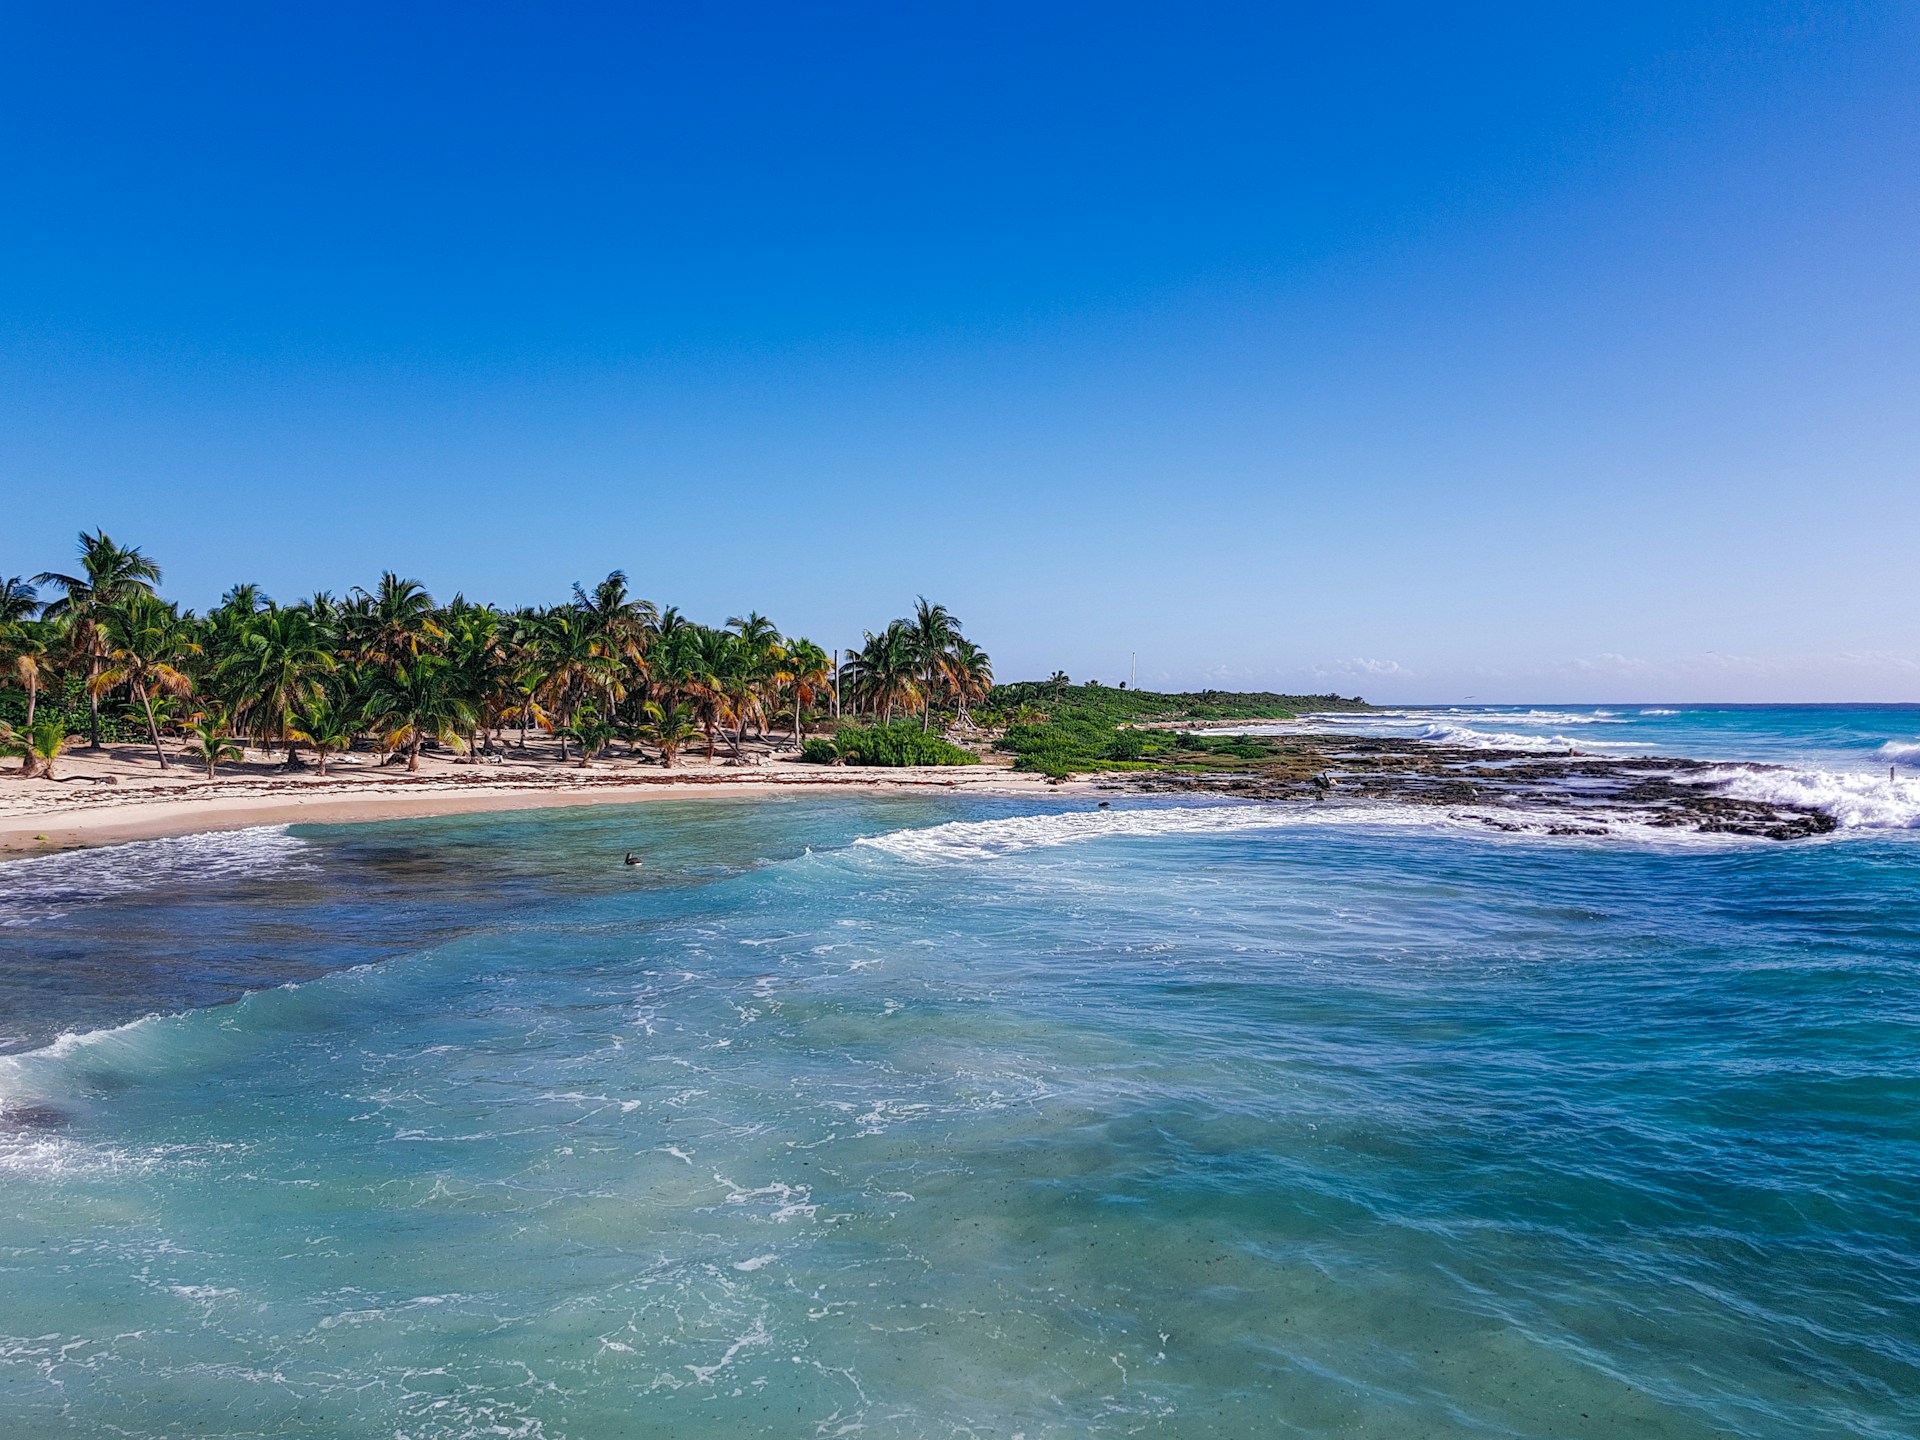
[(975, 1117)]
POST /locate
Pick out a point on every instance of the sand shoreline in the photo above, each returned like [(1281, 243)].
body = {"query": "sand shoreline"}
[(116, 799)]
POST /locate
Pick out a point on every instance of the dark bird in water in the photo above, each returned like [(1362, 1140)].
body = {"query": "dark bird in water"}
[(1103, 804), (632, 859)]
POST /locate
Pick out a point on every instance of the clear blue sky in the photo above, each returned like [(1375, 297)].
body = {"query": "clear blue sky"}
[(1524, 352)]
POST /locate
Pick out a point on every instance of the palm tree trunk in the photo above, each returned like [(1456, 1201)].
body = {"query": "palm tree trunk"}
[(413, 754), (93, 721), (152, 728), (33, 695)]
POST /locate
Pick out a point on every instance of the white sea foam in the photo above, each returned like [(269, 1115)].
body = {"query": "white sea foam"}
[(1545, 717), (44, 886), (1658, 711), (1856, 802), (1443, 733), (1901, 752), (990, 839), (973, 840)]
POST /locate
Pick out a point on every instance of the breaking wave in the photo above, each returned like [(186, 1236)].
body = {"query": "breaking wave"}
[(1902, 752), (1443, 733), (44, 886), (970, 840), (1856, 802)]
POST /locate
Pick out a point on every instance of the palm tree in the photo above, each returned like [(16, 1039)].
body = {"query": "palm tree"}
[(211, 741), (620, 623), (475, 650), (708, 678), (146, 644), (325, 725), (668, 727), (575, 665), (29, 646), (969, 675), (804, 670), (417, 703), (884, 672), (38, 745), (18, 601), (593, 732), (109, 574), (394, 622), (755, 668), (934, 632), (278, 666)]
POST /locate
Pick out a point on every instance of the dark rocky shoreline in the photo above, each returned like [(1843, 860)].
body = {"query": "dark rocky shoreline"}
[(1574, 794)]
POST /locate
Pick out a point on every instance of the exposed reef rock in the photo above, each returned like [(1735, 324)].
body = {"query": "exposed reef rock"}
[(1517, 790)]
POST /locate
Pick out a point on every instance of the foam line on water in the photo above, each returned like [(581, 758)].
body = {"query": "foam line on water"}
[(974, 840), (42, 887)]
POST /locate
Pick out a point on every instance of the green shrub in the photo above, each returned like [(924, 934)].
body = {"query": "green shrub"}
[(819, 751), (901, 743)]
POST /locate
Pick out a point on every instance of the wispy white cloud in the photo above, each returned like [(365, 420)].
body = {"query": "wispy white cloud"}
[(1360, 667)]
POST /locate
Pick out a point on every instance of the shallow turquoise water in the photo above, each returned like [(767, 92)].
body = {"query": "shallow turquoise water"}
[(1047, 1123)]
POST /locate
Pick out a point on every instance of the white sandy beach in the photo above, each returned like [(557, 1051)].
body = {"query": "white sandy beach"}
[(120, 793)]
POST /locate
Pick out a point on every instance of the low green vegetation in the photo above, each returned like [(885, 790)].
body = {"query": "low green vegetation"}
[(1059, 729), (898, 743)]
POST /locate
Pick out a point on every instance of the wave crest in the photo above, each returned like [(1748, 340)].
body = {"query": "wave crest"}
[(42, 887), (1856, 802), (1442, 732), (973, 840)]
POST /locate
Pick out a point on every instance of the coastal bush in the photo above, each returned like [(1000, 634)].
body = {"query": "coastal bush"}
[(1005, 703), (819, 751), (900, 743)]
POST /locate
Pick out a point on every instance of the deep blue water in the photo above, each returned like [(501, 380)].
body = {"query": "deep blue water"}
[(974, 1117)]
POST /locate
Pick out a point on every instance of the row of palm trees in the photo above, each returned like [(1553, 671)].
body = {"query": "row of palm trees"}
[(391, 670)]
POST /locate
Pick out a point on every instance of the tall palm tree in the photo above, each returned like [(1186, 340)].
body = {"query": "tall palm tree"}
[(395, 621), (709, 679), (477, 652), (418, 702), (969, 675), (29, 647), (756, 668), (147, 646), (934, 632), (884, 672), (576, 666), (805, 671), (279, 666), (621, 623), (109, 574)]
